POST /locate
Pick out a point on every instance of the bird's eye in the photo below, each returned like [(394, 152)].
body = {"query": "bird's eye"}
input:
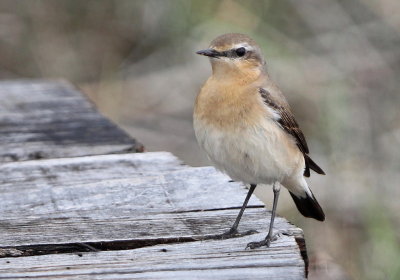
[(240, 51)]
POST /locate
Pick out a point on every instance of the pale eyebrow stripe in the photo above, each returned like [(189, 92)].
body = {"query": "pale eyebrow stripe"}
[(244, 45)]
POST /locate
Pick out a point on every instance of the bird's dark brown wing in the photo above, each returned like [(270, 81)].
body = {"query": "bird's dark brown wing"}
[(289, 124), (286, 120)]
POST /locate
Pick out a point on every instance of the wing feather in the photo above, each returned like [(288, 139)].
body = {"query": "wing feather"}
[(290, 125)]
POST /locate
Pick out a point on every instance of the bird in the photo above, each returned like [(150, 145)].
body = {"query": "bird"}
[(245, 125)]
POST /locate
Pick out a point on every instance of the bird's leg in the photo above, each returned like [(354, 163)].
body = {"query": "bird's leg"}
[(270, 237), (233, 230)]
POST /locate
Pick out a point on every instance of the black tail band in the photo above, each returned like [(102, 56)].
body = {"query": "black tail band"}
[(309, 207)]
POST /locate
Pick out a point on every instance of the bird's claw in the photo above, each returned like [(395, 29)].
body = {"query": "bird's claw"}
[(266, 242)]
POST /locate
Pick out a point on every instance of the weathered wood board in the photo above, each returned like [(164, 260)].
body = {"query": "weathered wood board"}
[(74, 205), (210, 259), (44, 119), (70, 171), (138, 209), (109, 205)]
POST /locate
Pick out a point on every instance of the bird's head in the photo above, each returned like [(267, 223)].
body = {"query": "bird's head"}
[(234, 53)]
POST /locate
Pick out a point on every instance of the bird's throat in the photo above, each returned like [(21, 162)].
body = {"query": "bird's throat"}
[(238, 73)]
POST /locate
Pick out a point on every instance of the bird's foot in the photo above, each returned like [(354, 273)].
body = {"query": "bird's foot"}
[(235, 233), (266, 242)]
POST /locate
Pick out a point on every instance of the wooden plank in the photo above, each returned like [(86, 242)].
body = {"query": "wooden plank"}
[(38, 235), (130, 211), (16, 176), (53, 208), (47, 119), (87, 182), (211, 259)]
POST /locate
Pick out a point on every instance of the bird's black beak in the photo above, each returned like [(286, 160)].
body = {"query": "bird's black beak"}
[(210, 53)]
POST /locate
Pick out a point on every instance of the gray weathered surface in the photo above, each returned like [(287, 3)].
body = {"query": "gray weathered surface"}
[(109, 205), (90, 211), (69, 171), (222, 259), (133, 204), (42, 119)]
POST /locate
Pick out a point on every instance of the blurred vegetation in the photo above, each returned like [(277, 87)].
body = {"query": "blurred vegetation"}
[(338, 61)]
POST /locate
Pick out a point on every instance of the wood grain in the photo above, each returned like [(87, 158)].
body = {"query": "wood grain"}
[(44, 119), (111, 205), (211, 259), (139, 208)]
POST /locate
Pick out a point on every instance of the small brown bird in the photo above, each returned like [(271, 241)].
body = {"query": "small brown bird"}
[(245, 125)]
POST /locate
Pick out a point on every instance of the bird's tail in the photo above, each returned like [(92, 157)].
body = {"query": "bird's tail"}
[(308, 206)]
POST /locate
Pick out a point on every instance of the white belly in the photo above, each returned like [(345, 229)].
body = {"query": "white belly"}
[(253, 155)]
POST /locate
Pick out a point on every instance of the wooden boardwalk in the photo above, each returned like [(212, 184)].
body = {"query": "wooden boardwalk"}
[(79, 202)]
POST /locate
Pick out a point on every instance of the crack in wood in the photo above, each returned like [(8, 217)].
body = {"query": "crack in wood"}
[(217, 209), (115, 245)]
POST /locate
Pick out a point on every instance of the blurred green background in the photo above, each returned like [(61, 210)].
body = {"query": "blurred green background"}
[(337, 61)]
